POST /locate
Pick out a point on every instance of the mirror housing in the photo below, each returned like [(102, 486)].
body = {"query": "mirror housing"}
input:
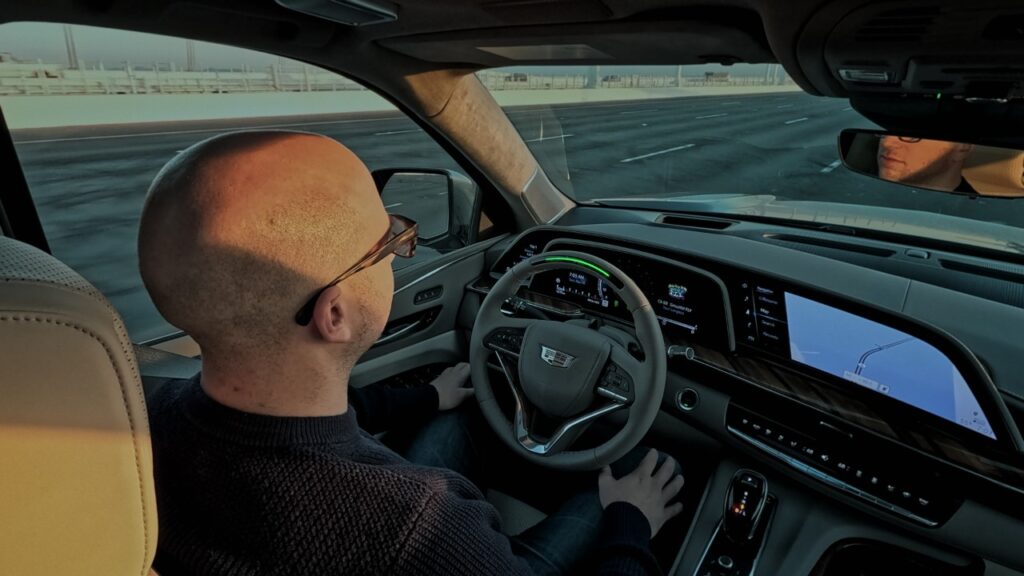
[(462, 209), (937, 165)]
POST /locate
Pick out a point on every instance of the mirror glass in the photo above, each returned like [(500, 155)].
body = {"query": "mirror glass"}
[(422, 197), (939, 165)]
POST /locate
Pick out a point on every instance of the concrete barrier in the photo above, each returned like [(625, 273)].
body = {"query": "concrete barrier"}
[(55, 111)]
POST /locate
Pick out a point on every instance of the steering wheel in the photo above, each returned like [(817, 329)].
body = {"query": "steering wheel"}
[(569, 373)]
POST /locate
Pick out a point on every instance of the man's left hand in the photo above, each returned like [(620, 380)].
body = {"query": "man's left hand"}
[(450, 392)]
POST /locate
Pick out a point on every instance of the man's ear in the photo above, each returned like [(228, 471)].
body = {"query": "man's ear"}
[(331, 317)]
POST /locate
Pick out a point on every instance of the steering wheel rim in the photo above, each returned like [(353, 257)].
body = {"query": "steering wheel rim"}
[(494, 333)]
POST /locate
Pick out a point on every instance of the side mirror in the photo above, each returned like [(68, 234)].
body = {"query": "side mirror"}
[(445, 203), (939, 165)]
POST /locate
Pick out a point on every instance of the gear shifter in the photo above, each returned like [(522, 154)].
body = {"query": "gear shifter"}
[(739, 538), (744, 504)]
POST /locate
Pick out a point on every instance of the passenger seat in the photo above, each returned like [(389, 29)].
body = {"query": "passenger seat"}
[(76, 478)]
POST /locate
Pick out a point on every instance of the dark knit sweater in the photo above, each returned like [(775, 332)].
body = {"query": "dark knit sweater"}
[(241, 493)]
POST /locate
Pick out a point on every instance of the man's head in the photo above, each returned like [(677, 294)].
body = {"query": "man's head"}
[(238, 231), (927, 163)]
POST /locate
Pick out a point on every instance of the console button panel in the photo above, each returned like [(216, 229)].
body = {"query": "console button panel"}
[(862, 469)]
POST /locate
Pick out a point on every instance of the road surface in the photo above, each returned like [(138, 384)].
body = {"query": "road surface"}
[(89, 183)]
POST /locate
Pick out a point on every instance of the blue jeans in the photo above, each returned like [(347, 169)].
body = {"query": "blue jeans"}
[(459, 441)]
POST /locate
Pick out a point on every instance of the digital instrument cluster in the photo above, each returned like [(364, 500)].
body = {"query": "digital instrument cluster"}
[(689, 304)]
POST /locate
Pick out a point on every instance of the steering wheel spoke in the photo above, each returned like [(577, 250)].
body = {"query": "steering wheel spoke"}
[(616, 381)]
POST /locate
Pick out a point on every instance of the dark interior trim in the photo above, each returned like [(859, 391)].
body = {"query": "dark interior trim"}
[(18, 216)]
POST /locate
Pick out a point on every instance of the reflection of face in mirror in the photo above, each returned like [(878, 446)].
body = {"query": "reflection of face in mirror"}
[(933, 164)]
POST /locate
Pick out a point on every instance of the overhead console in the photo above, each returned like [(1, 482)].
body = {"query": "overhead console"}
[(873, 404), (904, 63)]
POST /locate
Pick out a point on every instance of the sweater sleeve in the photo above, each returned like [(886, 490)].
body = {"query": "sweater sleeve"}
[(624, 547), (457, 536), (379, 408), (461, 536)]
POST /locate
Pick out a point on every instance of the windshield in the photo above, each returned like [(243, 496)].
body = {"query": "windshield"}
[(742, 139)]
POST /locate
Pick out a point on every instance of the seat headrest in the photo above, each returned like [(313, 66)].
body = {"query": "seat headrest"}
[(995, 171), (76, 473)]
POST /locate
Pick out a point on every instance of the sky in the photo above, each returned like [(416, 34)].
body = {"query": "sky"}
[(31, 41)]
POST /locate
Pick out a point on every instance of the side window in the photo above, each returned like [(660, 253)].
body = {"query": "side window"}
[(94, 114)]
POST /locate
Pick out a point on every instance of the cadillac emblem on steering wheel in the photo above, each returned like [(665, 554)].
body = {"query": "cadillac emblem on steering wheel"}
[(556, 358)]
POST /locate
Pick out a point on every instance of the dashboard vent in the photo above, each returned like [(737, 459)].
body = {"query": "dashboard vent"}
[(834, 245), (703, 222), (902, 25)]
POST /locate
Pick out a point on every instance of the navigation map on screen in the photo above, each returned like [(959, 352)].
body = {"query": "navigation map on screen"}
[(882, 359)]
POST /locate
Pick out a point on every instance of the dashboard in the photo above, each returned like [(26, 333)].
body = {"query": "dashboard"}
[(891, 411)]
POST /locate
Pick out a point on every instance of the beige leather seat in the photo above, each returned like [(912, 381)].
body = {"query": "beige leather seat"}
[(76, 478), (995, 171)]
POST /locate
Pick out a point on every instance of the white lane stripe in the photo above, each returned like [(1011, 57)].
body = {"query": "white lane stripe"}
[(785, 106), (797, 120), (847, 108), (392, 205), (396, 132), (712, 116), (665, 151), (543, 138), (640, 111), (831, 167), (207, 130)]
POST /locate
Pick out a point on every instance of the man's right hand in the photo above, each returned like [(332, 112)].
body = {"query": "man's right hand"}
[(648, 489)]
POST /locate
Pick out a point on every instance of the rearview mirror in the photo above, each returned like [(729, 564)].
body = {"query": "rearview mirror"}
[(938, 165)]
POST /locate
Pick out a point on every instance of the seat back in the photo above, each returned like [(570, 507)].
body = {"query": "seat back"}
[(76, 478)]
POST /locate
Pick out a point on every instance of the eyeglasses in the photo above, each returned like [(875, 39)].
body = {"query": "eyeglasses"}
[(907, 139), (400, 240)]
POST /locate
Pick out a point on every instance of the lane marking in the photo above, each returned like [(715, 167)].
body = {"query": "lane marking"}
[(847, 108), (392, 205), (396, 132), (785, 106), (712, 116), (640, 111), (797, 120), (831, 167), (665, 151), (207, 130), (543, 138)]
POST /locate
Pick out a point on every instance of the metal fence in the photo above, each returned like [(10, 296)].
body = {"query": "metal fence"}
[(24, 79), (42, 79)]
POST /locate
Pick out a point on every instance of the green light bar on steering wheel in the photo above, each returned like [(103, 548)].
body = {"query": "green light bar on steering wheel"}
[(583, 263)]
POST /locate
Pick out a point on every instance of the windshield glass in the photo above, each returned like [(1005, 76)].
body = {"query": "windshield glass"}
[(742, 139)]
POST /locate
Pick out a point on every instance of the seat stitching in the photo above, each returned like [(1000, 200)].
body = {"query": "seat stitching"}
[(128, 413)]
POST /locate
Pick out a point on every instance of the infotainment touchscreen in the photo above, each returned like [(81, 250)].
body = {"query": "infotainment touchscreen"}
[(874, 356)]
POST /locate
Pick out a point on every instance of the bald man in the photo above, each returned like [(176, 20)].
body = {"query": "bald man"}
[(273, 251)]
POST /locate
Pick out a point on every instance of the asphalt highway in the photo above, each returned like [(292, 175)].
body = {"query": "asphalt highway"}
[(89, 184)]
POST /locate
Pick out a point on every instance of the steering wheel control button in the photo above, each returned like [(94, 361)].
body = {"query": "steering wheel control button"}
[(687, 399), (509, 340)]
